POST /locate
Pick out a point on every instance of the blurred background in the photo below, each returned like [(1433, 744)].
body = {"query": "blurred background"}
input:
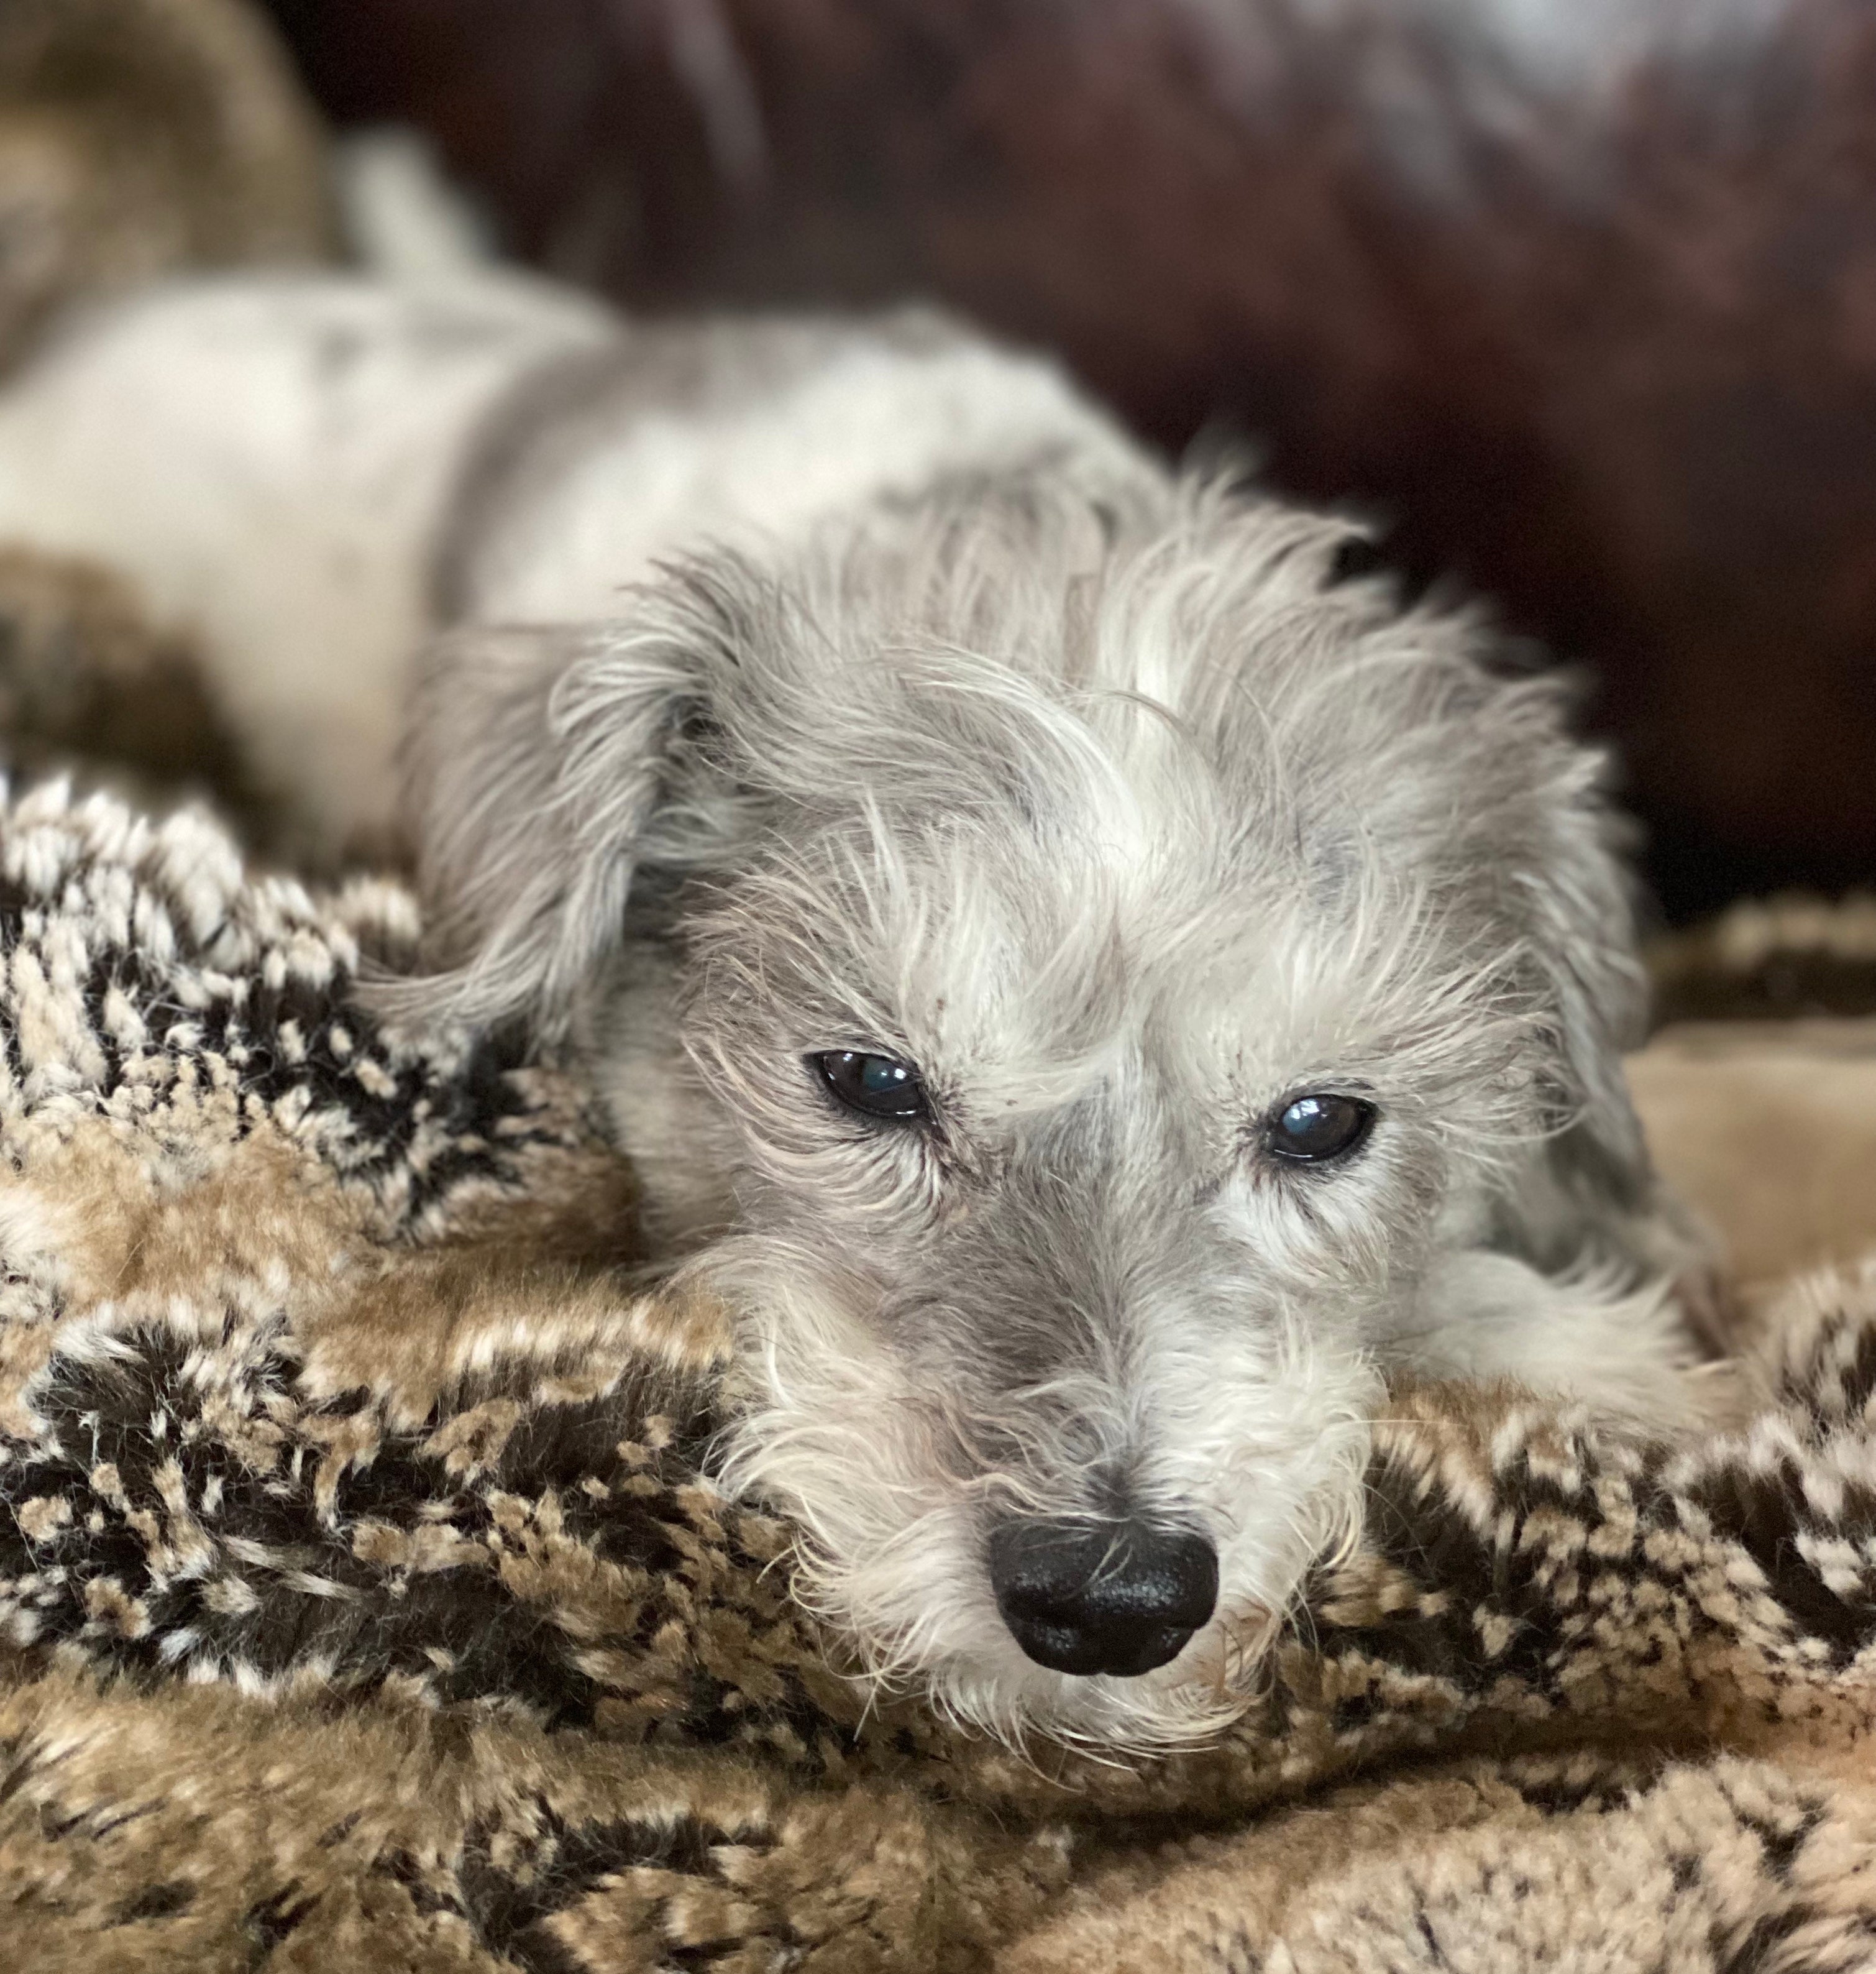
[(1575, 299)]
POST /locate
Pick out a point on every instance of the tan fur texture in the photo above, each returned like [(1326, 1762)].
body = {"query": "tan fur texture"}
[(366, 1602)]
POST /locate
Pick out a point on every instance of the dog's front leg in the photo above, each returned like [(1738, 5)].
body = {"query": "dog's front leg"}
[(1627, 1352)]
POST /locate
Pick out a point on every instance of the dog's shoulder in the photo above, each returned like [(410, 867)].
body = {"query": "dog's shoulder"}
[(741, 430)]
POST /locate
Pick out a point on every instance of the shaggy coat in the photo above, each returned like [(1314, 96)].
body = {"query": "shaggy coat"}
[(854, 692)]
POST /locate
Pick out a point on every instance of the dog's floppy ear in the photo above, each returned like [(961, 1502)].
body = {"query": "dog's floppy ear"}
[(533, 761), (1593, 1197)]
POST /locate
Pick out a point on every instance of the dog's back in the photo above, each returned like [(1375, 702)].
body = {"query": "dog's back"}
[(309, 474)]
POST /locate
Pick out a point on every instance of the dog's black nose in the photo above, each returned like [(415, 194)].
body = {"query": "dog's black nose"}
[(1112, 1597)]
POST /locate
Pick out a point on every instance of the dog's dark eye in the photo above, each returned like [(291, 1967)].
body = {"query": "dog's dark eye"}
[(1311, 1129), (876, 1086)]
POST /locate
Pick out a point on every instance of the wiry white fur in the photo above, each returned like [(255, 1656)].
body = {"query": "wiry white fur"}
[(1099, 801), (1261, 1440), (928, 716)]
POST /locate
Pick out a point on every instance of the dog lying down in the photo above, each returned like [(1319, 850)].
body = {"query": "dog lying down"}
[(1093, 991)]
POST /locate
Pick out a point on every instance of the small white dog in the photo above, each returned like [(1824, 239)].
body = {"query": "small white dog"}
[(1093, 991)]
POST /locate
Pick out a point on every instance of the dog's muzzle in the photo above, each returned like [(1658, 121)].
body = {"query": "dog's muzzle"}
[(1119, 1597)]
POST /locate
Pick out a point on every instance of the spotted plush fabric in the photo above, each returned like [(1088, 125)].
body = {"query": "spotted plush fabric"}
[(365, 1604), (1789, 957)]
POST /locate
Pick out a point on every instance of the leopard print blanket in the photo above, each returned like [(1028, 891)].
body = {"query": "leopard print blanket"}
[(365, 1603)]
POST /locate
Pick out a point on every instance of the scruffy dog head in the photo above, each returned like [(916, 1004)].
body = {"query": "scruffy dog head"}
[(1071, 975)]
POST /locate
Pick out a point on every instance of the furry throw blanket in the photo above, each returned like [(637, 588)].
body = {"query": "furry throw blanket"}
[(365, 1604)]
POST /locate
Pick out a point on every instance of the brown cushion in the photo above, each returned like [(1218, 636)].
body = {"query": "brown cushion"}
[(1768, 1129)]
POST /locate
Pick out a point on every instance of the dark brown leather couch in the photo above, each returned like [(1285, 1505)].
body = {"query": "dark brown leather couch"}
[(1589, 321)]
